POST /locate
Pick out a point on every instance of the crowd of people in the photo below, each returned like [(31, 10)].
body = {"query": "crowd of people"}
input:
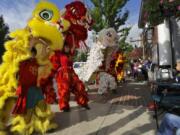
[(146, 70), (140, 69)]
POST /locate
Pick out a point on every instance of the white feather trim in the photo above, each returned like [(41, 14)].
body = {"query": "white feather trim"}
[(94, 61)]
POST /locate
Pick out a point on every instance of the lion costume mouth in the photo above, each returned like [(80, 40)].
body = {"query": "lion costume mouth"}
[(77, 14), (58, 25)]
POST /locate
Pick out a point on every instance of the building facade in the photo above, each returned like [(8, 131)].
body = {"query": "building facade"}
[(161, 41)]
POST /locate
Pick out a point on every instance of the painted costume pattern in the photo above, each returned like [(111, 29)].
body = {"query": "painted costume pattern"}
[(68, 81), (27, 68), (66, 78)]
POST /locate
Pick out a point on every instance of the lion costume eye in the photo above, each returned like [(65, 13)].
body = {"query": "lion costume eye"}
[(46, 14), (109, 34), (73, 10)]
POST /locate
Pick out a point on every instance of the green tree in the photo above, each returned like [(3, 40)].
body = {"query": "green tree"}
[(109, 13), (80, 56), (4, 30), (83, 57), (125, 46), (155, 11)]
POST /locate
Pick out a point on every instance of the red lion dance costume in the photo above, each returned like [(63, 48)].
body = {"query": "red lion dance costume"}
[(67, 79), (117, 66)]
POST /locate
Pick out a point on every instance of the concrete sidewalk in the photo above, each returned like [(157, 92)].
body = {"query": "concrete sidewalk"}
[(123, 113)]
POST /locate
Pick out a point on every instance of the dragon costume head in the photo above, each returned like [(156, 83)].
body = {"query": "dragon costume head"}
[(76, 13), (108, 37), (48, 24)]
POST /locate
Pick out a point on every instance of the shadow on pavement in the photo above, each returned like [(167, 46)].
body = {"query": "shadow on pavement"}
[(107, 130), (128, 97)]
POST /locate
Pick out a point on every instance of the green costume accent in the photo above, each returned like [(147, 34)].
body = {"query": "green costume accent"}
[(33, 97)]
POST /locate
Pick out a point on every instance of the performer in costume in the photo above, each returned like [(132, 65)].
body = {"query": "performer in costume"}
[(27, 85), (44, 24), (107, 81), (117, 66), (67, 80), (99, 61), (31, 111)]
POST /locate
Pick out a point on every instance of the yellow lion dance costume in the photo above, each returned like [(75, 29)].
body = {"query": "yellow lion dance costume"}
[(46, 23), (119, 66)]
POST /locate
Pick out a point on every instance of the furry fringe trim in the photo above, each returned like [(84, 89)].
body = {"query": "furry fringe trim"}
[(3, 133), (40, 122)]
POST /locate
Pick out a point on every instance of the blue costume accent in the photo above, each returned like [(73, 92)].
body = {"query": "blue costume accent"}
[(33, 97)]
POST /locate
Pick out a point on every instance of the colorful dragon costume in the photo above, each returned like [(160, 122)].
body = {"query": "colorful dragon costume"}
[(80, 20), (119, 65), (44, 32), (67, 79), (99, 61)]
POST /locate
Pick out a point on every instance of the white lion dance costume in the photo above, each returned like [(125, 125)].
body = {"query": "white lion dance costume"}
[(43, 33), (99, 60)]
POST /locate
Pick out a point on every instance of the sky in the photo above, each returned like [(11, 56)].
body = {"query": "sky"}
[(17, 12)]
